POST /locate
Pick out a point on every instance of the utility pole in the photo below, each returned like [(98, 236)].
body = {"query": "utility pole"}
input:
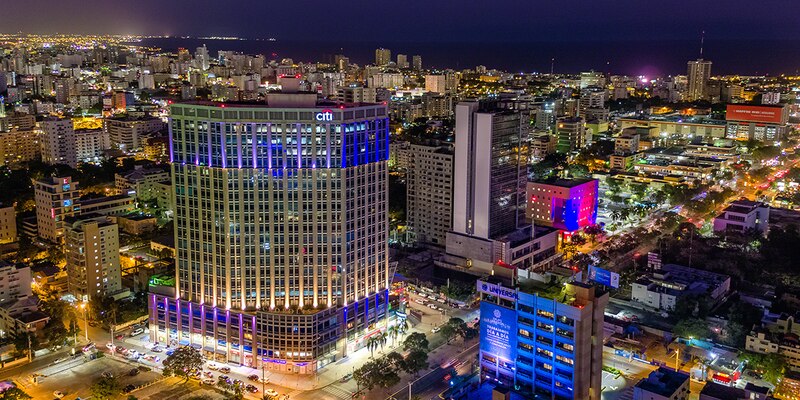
[(409, 389)]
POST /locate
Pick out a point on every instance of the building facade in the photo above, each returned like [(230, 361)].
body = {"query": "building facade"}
[(489, 232), (429, 193), (281, 231), (742, 216), (92, 251), (56, 199), (58, 142), (546, 341), (565, 204), (698, 73), (8, 224)]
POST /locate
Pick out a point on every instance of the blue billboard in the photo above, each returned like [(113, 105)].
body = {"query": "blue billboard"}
[(604, 276), (499, 331)]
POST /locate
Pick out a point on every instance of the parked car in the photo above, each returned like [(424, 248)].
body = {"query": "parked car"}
[(129, 388), (110, 346), (157, 349), (107, 375), (137, 332), (209, 381), (346, 378), (225, 370), (213, 366), (435, 329), (122, 350), (271, 392), (254, 377), (133, 372), (250, 388), (58, 394), (419, 301), (119, 337), (60, 359), (88, 347)]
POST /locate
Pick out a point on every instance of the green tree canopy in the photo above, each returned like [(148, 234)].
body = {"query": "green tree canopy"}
[(182, 362)]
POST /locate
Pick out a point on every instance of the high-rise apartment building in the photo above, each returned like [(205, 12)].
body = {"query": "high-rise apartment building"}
[(58, 142), (572, 134), (90, 145), (19, 146), (56, 199), (698, 74), (544, 340), (489, 234), (383, 57), (416, 63), (443, 83), (129, 133), (429, 193), (402, 61), (8, 224), (91, 249), (281, 229)]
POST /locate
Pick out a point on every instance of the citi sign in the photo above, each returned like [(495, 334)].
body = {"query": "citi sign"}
[(325, 115), (497, 290)]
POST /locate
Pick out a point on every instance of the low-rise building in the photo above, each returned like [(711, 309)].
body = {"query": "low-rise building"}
[(21, 315), (663, 384), (716, 391), (137, 224), (139, 182), (108, 205), (786, 344), (742, 216), (15, 281), (662, 288), (542, 146)]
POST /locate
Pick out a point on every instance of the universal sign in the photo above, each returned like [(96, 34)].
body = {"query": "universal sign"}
[(497, 290), (325, 115)]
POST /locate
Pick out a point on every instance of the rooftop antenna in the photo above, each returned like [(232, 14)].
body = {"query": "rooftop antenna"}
[(702, 39)]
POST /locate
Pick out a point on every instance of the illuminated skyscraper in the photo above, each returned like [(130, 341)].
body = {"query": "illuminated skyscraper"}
[(382, 57), (281, 230), (699, 72)]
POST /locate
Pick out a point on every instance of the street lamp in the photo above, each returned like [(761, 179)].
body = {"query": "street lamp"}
[(85, 321)]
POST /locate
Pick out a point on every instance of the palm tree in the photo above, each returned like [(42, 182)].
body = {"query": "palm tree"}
[(402, 326), (372, 343), (382, 338), (392, 332)]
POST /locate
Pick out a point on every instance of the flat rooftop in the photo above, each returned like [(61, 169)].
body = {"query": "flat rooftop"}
[(567, 183), (663, 381)]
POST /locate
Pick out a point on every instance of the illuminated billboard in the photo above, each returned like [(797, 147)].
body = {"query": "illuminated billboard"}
[(762, 114), (604, 276), (499, 331)]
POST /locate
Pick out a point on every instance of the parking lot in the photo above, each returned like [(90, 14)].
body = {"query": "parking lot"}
[(74, 377)]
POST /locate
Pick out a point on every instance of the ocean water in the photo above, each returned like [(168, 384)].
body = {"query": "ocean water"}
[(649, 58)]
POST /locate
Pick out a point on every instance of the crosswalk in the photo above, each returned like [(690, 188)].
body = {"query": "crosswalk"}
[(337, 392)]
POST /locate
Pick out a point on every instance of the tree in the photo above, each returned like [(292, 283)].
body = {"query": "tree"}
[(772, 365), (692, 328), (416, 341), (454, 328), (182, 362), (14, 394), (105, 388), (593, 231), (24, 341), (55, 333), (415, 361)]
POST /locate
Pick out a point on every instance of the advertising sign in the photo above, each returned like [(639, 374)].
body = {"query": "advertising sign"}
[(764, 114), (498, 331), (497, 290), (603, 276)]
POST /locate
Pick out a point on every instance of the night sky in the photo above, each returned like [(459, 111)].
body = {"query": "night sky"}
[(413, 20)]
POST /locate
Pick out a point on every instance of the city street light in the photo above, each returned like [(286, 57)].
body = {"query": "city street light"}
[(82, 306)]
